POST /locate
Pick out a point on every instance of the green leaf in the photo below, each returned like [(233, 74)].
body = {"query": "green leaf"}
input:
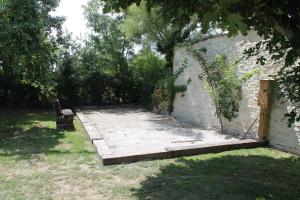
[(205, 23), (235, 23)]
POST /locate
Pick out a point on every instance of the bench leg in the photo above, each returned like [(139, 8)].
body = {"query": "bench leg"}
[(64, 123), (65, 126)]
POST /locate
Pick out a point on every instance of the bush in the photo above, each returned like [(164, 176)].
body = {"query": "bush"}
[(147, 70), (15, 94)]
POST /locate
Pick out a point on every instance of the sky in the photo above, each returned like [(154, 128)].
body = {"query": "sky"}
[(75, 21)]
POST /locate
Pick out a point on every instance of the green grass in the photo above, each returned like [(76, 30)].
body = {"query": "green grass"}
[(39, 162)]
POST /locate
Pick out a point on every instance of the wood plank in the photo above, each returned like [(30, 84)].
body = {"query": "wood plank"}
[(264, 101), (214, 148), (112, 160), (172, 152)]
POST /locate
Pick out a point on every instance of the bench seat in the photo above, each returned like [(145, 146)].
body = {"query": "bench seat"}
[(64, 117)]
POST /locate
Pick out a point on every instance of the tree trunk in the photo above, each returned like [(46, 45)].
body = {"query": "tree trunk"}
[(221, 123)]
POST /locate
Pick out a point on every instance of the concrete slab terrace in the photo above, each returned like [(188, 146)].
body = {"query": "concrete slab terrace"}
[(123, 134)]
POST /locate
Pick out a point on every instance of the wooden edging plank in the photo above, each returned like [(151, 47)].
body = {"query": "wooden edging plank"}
[(183, 151), (214, 148), (112, 160)]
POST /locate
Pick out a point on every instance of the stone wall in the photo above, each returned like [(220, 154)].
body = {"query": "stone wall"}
[(280, 136), (196, 106)]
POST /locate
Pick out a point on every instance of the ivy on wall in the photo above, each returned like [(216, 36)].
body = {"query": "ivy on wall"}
[(166, 90), (222, 83)]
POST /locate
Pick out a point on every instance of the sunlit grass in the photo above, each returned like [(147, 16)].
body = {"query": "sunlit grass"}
[(39, 162)]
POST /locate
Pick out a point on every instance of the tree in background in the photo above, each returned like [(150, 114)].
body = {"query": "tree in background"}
[(28, 44), (39, 62), (149, 28), (65, 75), (152, 31), (104, 59)]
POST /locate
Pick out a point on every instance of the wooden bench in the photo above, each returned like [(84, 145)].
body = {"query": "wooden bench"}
[(64, 117)]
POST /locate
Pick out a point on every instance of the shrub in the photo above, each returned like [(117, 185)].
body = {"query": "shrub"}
[(147, 70)]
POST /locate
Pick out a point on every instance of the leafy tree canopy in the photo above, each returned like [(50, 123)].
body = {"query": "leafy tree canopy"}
[(28, 39), (151, 28), (108, 36), (29, 42), (107, 51)]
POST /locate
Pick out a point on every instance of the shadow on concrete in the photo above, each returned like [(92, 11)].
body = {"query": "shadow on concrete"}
[(178, 128)]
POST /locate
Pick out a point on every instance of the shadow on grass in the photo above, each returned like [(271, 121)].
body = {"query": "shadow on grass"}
[(22, 134), (228, 177)]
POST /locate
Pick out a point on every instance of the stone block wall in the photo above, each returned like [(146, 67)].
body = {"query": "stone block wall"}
[(196, 106), (280, 136)]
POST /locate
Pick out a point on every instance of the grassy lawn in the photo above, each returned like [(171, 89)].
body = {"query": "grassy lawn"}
[(39, 162)]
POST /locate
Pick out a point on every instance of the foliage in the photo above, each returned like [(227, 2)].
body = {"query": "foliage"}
[(223, 84), (28, 42), (166, 89), (151, 29), (278, 22), (147, 69), (39, 62), (65, 77), (104, 60), (106, 70), (95, 72)]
